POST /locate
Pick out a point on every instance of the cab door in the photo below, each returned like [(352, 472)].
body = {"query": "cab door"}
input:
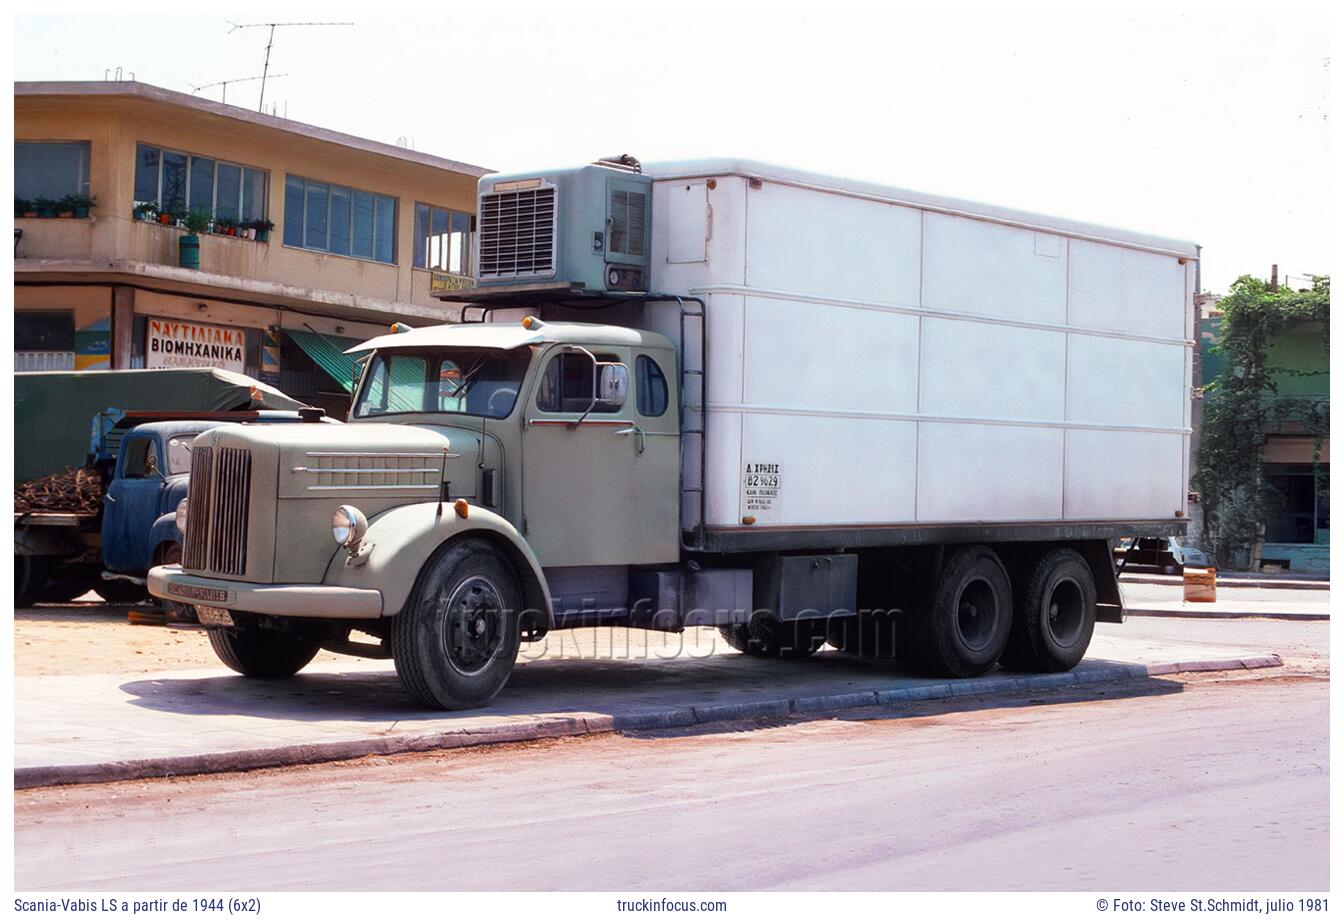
[(132, 503), (587, 465)]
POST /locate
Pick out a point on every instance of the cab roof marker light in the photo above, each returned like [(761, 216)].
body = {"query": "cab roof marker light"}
[(399, 327), (531, 322)]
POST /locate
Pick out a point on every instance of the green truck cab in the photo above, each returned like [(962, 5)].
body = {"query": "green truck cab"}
[(480, 457)]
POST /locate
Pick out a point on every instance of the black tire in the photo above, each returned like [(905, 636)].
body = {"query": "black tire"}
[(30, 577), (118, 592), (1056, 612), (966, 625), (175, 612), (65, 583), (771, 638), (737, 637), (455, 643), (262, 653), (869, 634)]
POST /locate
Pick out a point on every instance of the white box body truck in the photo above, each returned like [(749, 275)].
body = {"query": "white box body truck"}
[(801, 409)]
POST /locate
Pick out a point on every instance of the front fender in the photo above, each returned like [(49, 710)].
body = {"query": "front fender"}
[(163, 531), (402, 539)]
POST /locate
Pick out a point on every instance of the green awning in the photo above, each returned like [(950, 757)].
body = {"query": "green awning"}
[(328, 353)]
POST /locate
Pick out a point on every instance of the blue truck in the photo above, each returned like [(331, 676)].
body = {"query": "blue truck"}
[(101, 461)]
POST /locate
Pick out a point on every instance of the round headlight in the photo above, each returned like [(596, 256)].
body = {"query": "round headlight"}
[(348, 525), (180, 518)]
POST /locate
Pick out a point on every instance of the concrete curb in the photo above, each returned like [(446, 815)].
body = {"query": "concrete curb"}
[(1228, 581), (542, 727), (1193, 614)]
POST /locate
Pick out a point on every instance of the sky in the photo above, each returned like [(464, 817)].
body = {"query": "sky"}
[(1206, 128)]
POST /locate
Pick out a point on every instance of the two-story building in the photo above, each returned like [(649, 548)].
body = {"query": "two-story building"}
[(1294, 465), (363, 231)]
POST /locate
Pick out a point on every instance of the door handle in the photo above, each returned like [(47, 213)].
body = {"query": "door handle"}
[(638, 433)]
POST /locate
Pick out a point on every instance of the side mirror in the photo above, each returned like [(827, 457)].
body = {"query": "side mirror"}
[(613, 385)]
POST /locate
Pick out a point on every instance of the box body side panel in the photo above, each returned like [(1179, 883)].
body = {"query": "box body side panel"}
[(872, 364)]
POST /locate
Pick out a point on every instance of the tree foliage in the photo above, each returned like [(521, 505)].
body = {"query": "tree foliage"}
[(1243, 404)]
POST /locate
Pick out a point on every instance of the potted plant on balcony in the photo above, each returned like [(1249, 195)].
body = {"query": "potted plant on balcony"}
[(189, 246), (263, 227), (22, 207), (78, 205), (227, 226), (146, 210), (169, 215), (65, 207), (46, 207)]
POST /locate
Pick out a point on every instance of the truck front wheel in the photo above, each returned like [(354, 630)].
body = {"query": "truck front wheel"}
[(456, 641), (263, 653), (1056, 613), (965, 628)]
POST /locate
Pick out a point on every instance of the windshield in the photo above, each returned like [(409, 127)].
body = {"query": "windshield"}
[(482, 382)]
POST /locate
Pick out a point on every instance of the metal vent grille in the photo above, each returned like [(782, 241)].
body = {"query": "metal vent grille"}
[(221, 479), (517, 233), (629, 212)]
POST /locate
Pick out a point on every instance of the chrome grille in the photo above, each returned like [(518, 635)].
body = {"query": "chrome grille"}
[(216, 539), (628, 220), (516, 233)]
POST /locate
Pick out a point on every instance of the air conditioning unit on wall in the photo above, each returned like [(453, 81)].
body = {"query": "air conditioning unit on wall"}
[(587, 226)]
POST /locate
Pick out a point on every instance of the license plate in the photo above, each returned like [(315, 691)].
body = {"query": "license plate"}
[(213, 616)]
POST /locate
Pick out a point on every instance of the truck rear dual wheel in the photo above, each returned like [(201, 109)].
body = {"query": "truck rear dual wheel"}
[(262, 653), (456, 641), (1055, 616), (965, 628)]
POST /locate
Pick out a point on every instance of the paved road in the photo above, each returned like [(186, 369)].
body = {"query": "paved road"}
[(1214, 785)]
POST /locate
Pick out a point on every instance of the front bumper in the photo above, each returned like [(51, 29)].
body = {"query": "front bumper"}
[(316, 601)]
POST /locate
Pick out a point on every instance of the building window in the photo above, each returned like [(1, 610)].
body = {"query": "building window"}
[(170, 179), (44, 340), (339, 220), (1299, 510), (50, 169), (442, 239)]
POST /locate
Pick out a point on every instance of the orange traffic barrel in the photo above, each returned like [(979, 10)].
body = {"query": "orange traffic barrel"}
[(1201, 585)]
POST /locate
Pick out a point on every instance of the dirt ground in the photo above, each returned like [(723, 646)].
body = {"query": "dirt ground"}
[(90, 637), (93, 638)]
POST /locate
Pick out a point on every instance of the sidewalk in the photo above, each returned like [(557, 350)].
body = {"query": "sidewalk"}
[(1231, 609), (1235, 579), (103, 727)]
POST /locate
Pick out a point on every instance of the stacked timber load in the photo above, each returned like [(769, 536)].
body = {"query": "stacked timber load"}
[(71, 491)]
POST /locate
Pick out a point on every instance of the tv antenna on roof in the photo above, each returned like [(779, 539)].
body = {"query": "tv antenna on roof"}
[(223, 93), (270, 40)]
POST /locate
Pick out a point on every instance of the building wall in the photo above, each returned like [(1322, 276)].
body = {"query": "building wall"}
[(114, 125), (1288, 450)]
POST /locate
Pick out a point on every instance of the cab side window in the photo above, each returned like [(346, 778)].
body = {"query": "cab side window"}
[(567, 384), (138, 452), (650, 387)]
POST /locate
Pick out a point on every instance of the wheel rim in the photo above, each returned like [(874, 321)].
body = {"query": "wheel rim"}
[(474, 627), (1064, 611), (977, 614)]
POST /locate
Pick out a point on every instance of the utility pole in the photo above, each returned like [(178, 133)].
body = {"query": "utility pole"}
[(1274, 279), (270, 40)]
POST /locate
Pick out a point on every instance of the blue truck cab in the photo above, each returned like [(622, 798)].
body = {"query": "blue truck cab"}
[(149, 480)]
